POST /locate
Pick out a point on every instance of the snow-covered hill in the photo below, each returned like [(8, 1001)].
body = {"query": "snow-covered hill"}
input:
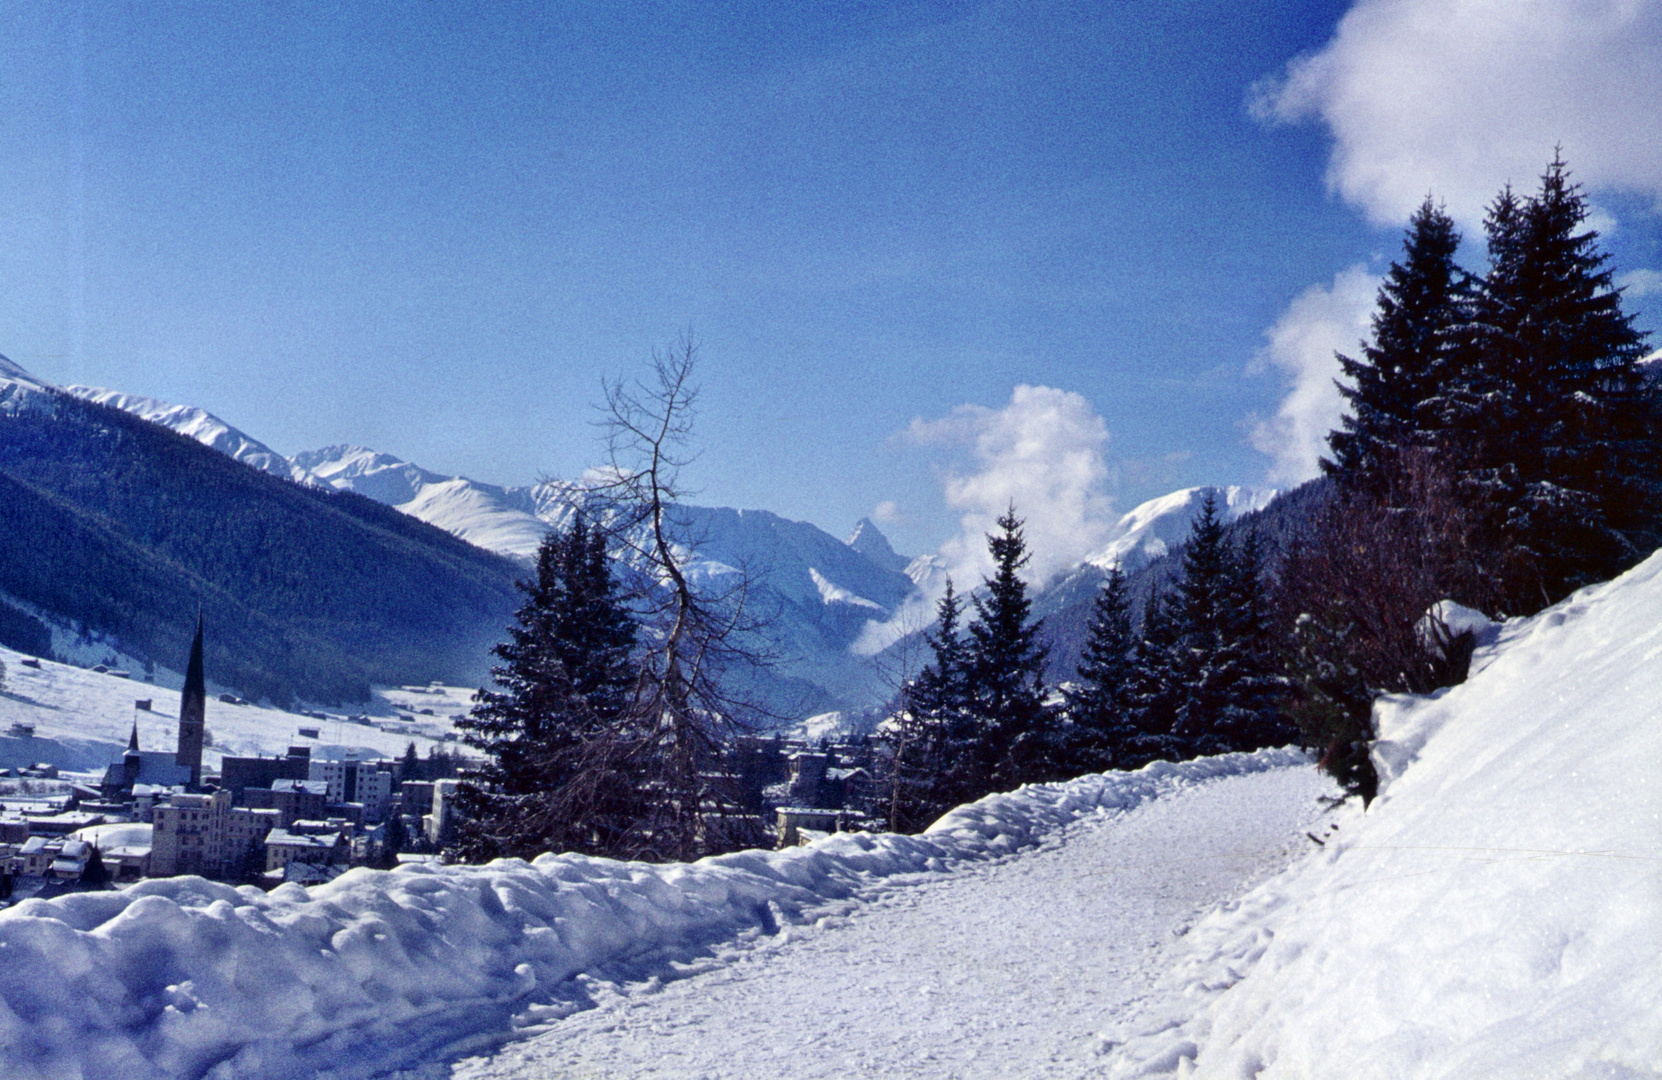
[(1498, 910), (81, 719), (1496, 913)]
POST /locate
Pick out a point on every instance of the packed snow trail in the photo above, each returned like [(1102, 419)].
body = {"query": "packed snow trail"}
[(1006, 969), (181, 978)]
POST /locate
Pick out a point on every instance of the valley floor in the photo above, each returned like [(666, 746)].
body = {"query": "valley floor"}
[(1022, 967)]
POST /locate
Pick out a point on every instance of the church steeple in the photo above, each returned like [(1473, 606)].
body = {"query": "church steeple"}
[(132, 740), (193, 706)]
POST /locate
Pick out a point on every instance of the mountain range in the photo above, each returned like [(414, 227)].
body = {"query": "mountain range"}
[(817, 594)]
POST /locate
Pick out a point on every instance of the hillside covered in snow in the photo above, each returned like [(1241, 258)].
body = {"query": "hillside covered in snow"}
[(1497, 912)]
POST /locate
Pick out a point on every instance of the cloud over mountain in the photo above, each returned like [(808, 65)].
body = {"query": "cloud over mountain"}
[(1044, 453)]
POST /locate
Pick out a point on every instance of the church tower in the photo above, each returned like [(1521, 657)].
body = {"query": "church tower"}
[(193, 707)]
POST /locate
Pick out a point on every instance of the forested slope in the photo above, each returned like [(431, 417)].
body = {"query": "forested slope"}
[(120, 526)]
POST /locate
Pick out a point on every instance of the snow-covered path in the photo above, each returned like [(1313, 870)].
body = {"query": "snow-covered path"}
[(1012, 968)]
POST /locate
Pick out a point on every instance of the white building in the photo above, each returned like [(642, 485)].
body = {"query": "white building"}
[(364, 782)]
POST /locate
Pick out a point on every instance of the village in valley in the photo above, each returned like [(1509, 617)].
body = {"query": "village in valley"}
[(296, 817)]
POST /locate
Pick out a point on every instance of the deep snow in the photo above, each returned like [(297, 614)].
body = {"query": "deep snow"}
[(1496, 913), (375, 970), (1014, 968), (83, 718)]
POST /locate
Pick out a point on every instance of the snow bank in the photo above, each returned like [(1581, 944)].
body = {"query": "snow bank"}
[(181, 977), (1496, 913)]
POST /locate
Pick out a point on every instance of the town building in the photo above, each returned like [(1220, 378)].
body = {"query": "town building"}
[(292, 799), (205, 834), (237, 773), (351, 780)]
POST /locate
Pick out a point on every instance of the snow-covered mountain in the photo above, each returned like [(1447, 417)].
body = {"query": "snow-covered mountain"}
[(1159, 525), (198, 424), (500, 519), (20, 390), (869, 541), (817, 592), (814, 591)]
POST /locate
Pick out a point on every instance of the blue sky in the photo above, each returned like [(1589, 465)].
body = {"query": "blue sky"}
[(432, 229)]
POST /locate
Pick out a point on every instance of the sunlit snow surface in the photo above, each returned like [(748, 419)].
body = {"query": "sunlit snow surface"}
[(376, 970), (1017, 967), (83, 718), (1497, 913)]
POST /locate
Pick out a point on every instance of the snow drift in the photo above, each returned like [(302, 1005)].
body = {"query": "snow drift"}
[(182, 977), (1496, 913)]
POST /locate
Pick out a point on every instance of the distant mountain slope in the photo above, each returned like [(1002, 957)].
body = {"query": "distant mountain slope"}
[(816, 593), (124, 527), (499, 519), (1160, 525), (198, 424)]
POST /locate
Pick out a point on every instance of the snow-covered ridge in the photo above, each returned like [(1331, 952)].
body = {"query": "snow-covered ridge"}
[(1498, 910), (20, 390), (198, 424), (1153, 528), (377, 970)]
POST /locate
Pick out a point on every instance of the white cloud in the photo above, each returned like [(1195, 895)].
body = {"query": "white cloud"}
[(1639, 283), (1321, 321), (886, 512), (1045, 453), (1457, 97)]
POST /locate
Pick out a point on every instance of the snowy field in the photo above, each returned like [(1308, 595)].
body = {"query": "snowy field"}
[(82, 719)]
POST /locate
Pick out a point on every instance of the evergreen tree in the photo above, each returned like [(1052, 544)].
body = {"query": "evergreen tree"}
[(1554, 429), (1155, 689), (1100, 707), (1414, 355), (1006, 664), (1206, 679), (1203, 661), (930, 736), (95, 875), (1253, 719), (557, 777)]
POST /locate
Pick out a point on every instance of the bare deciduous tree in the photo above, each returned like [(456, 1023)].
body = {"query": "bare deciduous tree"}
[(696, 640)]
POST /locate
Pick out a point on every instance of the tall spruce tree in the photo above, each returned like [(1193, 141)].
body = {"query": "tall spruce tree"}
[(930, 740), (1557, 430), (1100, 705), (1207, 679), (1416, 352), (1006, 665), (557, 777), (1203, 663)]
